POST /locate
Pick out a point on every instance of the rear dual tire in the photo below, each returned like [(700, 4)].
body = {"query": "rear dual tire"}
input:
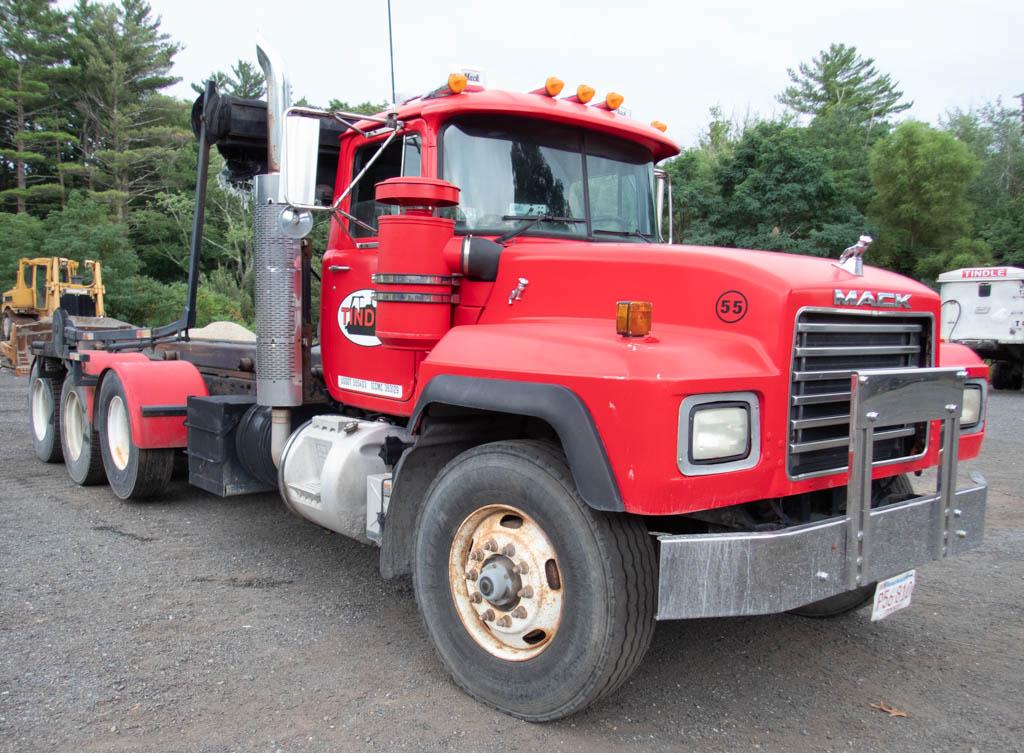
[(79, 439), (44, 414), (132, 472)]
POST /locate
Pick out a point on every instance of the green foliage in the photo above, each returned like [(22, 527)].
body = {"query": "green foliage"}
[(22, 236), (129, 131), (768, 187), (920, 177), (995, 135), (840, 78), (151, 303), (33, 52), (963, 252), (245, 81), (363, 108)]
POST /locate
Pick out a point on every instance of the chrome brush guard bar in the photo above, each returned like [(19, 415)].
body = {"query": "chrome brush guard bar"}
[(723, 574)]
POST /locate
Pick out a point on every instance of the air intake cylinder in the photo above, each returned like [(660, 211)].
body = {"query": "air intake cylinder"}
[(278, 261), (413, 281)]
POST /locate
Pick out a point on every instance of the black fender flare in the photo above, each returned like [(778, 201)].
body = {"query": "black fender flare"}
[(557, 405)]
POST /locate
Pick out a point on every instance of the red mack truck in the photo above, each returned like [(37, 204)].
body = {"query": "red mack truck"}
[(561, 426)]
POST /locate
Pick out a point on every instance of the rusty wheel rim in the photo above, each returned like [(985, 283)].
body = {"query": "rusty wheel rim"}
[(506, 582)]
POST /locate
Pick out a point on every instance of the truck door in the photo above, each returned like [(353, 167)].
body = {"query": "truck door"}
[(357, 369), (40, 286)]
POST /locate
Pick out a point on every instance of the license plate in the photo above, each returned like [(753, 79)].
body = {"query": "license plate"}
[(892, 595)]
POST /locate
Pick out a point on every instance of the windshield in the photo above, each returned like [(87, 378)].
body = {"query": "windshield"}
[(585, 185)]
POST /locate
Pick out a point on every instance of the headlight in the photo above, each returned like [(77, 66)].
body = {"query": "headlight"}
[(970, 413), (718, 432)]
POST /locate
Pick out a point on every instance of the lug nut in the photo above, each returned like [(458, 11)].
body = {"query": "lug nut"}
[(477, 555), (505, 622), (490, 545), (526, 592), (472, 574), (521, 568), (508, 550), (488, 615), (519, 613), (475, 597)]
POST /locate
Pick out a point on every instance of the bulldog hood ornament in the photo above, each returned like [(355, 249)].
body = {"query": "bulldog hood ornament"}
[(852, 259)]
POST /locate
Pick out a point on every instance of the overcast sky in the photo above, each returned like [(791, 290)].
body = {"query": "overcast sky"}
[(672, 62)]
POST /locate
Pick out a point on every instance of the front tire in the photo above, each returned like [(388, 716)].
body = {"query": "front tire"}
[(80, 442), (132, 472), (537, 604), (44, 414)]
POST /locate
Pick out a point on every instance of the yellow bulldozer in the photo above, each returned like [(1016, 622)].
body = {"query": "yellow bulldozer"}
[(42, 286)]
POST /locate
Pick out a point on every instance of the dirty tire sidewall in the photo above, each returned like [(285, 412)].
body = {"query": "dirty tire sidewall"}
[(47, 447), (87, 468), (147, 471), (608, 573), (838, 605)]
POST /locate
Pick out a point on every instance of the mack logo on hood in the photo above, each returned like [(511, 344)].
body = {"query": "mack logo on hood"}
[(871, 298)]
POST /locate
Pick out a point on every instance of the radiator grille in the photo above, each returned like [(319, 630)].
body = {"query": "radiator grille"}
[(829, 347)]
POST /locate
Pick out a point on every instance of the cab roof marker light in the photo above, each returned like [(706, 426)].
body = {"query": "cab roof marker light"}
[(659, 125), (612, 102), (552, 87), (583, 94), (456, 84)]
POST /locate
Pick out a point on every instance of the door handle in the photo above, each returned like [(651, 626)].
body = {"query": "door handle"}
[(338, 268)]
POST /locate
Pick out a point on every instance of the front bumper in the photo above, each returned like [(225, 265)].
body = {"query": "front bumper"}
[(730, 574)]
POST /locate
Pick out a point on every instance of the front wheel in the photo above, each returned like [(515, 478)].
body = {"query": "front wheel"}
[(536, 604)]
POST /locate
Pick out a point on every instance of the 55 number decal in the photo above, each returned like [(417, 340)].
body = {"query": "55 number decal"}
[(731, 306)]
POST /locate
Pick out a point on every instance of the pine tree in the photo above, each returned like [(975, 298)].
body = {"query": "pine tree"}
[(32, 43), (245, 81), (128, 129), (840, 78)]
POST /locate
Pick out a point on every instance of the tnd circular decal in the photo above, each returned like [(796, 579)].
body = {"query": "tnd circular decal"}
[(731, 306), (357, 318)]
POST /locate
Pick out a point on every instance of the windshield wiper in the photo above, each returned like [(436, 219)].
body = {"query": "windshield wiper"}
[(530, 221), (626, 233)]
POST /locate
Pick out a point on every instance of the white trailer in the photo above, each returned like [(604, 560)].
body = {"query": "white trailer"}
[(983, 308)]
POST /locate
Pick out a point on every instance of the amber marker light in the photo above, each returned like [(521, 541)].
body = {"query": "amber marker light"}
[(553, 86), (633, 318), (614, 100), (659, 125), (457, 82), (583, 94)]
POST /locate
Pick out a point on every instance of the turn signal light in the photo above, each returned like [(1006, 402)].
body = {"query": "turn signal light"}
[(614, 100), (633, 318), (659, 125), (457, 82)]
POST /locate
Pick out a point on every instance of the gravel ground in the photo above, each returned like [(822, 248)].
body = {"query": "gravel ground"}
[(200, 624)]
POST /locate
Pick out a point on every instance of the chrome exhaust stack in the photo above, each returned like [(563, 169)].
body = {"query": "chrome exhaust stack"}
[(278, 262)]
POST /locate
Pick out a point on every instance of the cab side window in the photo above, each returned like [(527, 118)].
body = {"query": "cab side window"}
[(402, 157)]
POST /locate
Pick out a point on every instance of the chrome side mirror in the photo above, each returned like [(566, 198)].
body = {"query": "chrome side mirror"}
[(661, 185), (299, 159)]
